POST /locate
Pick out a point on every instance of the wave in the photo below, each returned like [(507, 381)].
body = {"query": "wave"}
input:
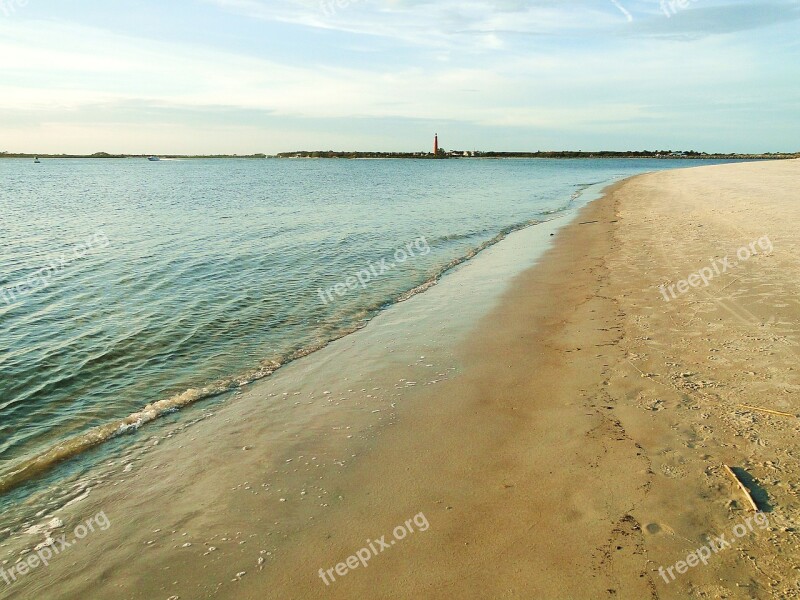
[(30, 468), (456, 237)]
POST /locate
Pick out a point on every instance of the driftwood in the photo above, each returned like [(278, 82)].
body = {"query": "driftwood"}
[(742, 487), (768, 411)]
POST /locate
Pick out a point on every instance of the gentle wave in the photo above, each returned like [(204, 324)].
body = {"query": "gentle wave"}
[(30, 468)]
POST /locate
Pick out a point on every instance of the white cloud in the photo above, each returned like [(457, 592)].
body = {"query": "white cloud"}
[(467, 25), (64, 72), (132, 69)]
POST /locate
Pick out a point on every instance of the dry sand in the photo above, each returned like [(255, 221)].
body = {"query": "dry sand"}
[(574, 444)]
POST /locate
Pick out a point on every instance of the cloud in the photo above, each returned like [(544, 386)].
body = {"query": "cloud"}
[(705, 18), (468, 25), (511, 68), (534, 89), (488, 25)]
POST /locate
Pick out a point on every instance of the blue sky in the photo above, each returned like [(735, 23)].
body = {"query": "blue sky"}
[(243, 76)]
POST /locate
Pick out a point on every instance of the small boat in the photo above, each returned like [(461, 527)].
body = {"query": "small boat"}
[(36, 160), (153, 158)]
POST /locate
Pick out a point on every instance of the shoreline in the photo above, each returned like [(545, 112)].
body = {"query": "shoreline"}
[(41, 465), (586, 440), (571, 442), (153, 447), (419, 156)]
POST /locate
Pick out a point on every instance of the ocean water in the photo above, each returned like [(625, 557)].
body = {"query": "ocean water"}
[(131, 289)]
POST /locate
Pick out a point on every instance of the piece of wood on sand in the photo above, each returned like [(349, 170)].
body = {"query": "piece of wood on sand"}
[(742, 487), (768, 411)]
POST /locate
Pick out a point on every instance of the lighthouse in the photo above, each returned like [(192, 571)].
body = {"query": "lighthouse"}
[(436, 144)]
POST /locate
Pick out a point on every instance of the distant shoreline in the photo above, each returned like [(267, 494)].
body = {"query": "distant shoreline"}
[(443, 155), (530, 155), (105, 155)]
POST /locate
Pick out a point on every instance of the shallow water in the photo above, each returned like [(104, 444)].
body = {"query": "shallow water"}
[(126, 283)]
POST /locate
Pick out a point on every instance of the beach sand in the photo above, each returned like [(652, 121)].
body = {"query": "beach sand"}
[(570, 445)]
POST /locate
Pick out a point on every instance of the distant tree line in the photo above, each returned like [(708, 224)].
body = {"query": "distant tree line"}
[(458, 154)]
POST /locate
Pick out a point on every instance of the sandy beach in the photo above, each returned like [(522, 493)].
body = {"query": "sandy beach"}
[(574, 443)]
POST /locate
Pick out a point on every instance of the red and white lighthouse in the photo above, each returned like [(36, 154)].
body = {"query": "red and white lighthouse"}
[(436, 144)]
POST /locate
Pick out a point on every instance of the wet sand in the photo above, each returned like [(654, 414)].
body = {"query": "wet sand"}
[(569, 446)]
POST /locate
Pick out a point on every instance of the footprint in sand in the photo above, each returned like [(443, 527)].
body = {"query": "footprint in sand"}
[(657, 528), (653, 528)]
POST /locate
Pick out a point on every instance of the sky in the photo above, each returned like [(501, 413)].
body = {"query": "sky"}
[(248, 76)]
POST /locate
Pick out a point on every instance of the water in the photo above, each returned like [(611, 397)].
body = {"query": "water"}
[(161, 284)]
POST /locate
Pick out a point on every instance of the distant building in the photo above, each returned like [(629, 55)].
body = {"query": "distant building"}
[(436, 144)]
